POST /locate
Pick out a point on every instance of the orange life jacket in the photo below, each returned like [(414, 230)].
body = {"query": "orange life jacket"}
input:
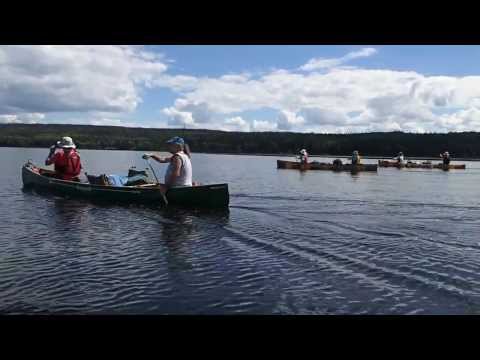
[(67, 165)]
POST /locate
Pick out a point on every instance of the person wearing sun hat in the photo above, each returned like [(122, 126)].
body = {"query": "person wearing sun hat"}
[(65, 158), (303, 156), (400, 158), (179, 171), (356, 159), (446, 158)]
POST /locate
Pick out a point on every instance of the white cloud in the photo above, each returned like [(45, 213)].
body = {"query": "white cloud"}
[(200, 111), (25, 118), (236, 124), (111, 122), (341, 100), (178, 118), (263, 125), (322, 63), (74, 78), (319, 116), (463, 120), (288, 120)]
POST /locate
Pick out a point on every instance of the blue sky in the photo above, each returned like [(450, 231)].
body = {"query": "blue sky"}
[(218, 60), (245, 88)]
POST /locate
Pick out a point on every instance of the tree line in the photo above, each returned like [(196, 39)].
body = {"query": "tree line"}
[(459, 144)]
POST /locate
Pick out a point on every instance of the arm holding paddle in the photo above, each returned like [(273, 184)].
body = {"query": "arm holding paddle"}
[(156, 158)]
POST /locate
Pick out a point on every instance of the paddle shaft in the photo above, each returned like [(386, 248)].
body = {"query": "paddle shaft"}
[(158, 182), (153, 171)]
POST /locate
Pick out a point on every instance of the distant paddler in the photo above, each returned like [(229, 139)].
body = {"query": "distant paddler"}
[(179, 171), (400, 158), (303, 156), (445, 158), (356, 159)]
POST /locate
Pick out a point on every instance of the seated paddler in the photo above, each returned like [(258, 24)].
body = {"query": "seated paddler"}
[(356, 159), (66, 160), (179, 171), (400, 158), (303, 156)]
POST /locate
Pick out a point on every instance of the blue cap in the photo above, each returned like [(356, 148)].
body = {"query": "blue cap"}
[(176, 140)]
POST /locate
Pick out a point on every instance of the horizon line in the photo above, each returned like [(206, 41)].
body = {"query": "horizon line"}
[(239, 132)]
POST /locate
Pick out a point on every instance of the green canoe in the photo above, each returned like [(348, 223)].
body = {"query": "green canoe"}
[(205, 196)]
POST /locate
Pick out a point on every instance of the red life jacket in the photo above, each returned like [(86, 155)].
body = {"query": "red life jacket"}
[(67, 166)]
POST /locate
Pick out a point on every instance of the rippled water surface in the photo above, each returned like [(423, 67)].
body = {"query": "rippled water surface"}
[(395, 242)]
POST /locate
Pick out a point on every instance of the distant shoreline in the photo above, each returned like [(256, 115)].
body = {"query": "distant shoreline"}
[(348, 156), (462, 145), (262, 154)]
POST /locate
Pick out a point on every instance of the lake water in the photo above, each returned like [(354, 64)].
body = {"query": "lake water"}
[(319, 242)]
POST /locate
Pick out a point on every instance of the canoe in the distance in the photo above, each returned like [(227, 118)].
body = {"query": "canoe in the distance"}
[(204, 196), (425, 165), (282, 164)]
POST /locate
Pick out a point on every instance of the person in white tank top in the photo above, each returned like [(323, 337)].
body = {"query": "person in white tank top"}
[(179, 171)]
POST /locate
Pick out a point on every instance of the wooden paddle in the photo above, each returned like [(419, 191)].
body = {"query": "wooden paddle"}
[(158, 183)]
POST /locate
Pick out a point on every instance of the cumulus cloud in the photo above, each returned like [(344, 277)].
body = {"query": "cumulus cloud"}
[(186, 112), (322, 63), (110, 122), (288, 120), (200, 111), (344, 100), (263, 125), (236, 124), (75, 78), (177, 117), (319, 116), (25, 118)]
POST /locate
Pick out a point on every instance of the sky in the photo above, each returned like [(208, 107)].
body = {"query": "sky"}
[(322, 89)]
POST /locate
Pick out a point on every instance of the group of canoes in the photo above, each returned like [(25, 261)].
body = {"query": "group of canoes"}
[(356, 164), (400, 159), (178, 186), (400, 162), (337, 165)]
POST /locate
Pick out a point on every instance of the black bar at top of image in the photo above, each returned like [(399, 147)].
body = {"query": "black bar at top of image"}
[(199, 24)]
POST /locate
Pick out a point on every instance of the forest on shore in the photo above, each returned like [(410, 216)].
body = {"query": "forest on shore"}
[(459, 144)]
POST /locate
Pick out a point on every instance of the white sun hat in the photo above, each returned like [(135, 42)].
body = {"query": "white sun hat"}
[(66, 143)]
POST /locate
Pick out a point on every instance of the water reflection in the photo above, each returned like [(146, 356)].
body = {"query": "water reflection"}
[(186, 229)]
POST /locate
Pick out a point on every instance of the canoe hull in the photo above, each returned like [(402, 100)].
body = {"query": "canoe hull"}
[(282, 164), (388, 163), (209, 196)]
